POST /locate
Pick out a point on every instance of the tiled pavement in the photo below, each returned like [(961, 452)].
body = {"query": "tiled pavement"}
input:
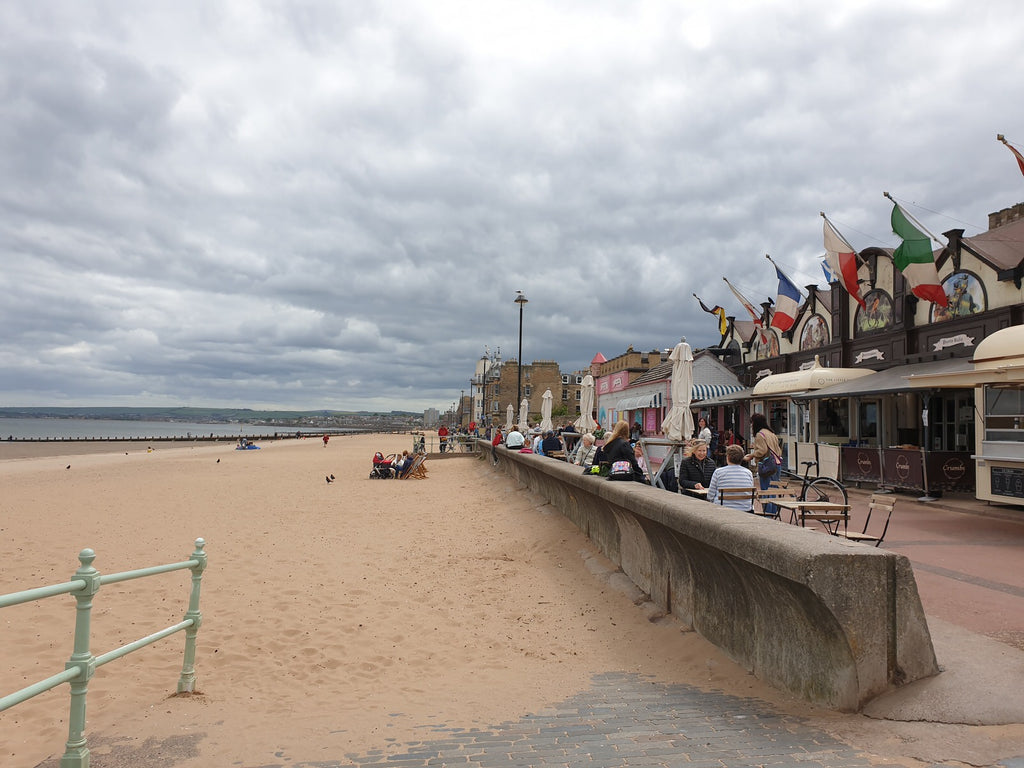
[(628, 720)]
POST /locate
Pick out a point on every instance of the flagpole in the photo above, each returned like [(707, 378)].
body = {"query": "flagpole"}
[(914, 221), (767, 256)]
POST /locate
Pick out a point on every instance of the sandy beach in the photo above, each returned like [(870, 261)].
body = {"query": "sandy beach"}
[(337, 617)]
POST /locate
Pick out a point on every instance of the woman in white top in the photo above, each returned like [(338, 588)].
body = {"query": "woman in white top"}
[(704, 431), (586, 451)]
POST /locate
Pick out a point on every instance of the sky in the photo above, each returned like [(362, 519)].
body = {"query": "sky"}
[(331, 205)]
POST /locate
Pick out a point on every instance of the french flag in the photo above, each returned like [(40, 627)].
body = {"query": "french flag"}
[(787, 304)]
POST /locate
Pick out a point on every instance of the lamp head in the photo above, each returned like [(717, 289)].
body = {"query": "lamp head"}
[(521, 298)]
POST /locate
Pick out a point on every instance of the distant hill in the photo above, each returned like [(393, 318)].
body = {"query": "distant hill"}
[(202, 415)]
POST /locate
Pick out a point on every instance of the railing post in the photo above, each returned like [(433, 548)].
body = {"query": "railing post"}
[(76, 754), (187, 681)]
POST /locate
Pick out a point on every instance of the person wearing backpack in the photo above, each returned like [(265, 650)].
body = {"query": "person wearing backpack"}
[(767, 454)]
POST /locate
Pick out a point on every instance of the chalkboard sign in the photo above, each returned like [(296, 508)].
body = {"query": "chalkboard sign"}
[(1008, 481)]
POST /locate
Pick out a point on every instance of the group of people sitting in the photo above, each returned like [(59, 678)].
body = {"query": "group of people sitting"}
[(699, 472), (586, 454)]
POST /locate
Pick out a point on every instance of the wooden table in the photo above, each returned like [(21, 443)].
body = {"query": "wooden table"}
[(698, 493), (829, 513)]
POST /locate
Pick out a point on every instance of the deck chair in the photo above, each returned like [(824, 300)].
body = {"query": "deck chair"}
[(416, 469), (745, 495), (776, 490), (883, 503)]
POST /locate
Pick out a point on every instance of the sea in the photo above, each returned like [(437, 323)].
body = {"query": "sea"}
[(118, 429)]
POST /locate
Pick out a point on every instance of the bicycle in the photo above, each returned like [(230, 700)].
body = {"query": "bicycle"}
[(812, 488), (817, 487)]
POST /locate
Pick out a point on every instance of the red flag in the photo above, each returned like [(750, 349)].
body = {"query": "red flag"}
[(750, 309), (1016, 154), (842, 260)]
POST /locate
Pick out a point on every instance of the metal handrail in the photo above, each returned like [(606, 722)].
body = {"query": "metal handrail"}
[(82, 664)]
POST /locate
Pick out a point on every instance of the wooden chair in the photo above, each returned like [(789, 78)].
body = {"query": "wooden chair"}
[(883, 503), (744, 495), (776, 490), (417, 469)]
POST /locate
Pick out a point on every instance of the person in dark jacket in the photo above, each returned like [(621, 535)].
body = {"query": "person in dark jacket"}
[(697, 468), (617, 448)]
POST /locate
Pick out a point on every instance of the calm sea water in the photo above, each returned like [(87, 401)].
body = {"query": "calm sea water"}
[(77, 429)]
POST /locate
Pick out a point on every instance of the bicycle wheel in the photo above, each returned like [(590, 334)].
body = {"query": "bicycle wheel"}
[(825, 489)]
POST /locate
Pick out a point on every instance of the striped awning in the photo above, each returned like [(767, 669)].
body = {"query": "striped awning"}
[(707, 391), (639, 401)]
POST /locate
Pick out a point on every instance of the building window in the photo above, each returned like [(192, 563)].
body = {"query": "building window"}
[(579, 379), (565, 379), (577, 394), (565, 394), (526, 391)]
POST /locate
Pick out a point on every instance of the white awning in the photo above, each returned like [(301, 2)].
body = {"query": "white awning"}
[(708, 391), (639, 401), (902, 378), (814, 377)]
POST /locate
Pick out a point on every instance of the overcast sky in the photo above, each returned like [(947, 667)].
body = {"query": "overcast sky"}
[(332, 204)]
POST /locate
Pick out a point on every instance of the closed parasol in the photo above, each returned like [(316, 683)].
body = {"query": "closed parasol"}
[(585, 422), (545, 411), (678, 424)]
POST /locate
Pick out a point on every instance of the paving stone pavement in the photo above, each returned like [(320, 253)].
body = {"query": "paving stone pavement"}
[(629, 720)]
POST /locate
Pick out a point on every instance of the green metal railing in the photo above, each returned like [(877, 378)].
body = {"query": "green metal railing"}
[(82, 665)]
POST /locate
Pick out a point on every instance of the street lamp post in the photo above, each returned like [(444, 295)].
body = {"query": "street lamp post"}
[(522, 301)]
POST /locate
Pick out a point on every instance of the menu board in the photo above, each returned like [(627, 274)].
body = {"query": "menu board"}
[(1008, 481)]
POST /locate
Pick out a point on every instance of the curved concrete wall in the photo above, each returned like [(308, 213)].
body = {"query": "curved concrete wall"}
[(835, 622)]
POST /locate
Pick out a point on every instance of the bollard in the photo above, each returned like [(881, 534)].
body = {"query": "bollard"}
[(187, 681), (76, 754)]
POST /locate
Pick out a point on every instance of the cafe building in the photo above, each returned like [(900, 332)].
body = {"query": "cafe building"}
[(996, 375), (900, 414)]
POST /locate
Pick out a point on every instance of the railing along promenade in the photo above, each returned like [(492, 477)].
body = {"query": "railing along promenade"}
[(82, 665), (833, 621)]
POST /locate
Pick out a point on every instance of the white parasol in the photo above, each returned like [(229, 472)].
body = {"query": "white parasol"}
[(545, 411), (524, 412), (510, 415), (586, 423), (678, 424)]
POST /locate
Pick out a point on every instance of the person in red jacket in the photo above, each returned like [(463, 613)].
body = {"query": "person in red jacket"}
[(442, 437)]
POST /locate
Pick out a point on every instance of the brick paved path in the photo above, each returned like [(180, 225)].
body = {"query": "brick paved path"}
[(626, 720)]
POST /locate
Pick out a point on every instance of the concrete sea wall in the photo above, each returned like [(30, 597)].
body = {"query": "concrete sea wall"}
[(834, 622)]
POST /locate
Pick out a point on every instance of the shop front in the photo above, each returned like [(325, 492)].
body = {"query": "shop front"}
[(997, 381), (782, 398), (897, 436)]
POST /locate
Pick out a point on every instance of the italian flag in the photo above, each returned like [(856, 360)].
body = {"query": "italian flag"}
[(915, 259)]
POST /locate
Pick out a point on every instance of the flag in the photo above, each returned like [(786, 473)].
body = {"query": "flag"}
[(723, 324), (915, 260), (787, 304), (830, 276), (754, 314), (842, 260), (1016, 154)]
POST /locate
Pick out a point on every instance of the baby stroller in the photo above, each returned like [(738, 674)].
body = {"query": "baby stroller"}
[(383, 466)]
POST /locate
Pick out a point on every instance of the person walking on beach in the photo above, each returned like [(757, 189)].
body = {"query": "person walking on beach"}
[(326, 439)]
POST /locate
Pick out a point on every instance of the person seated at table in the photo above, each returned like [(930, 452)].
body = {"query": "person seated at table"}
[(617, 448), (732, 475), (550, 444), (586, 452), (697, 468), (514, 439), (639, 454)]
